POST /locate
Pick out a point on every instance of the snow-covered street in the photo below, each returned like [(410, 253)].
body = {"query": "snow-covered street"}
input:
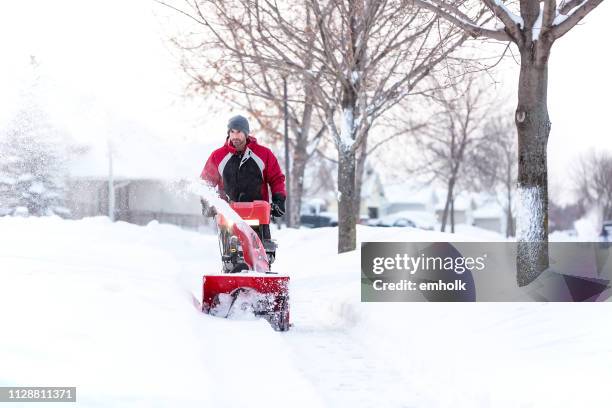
[(109, 308)]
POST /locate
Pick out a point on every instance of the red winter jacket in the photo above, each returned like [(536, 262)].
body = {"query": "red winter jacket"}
[(244, 176)]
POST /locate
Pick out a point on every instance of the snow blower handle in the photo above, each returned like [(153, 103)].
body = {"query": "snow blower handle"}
[(207, 209), (275, 211), (278, 205)]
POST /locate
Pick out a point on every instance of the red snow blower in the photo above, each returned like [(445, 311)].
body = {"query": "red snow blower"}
[(246, 285)]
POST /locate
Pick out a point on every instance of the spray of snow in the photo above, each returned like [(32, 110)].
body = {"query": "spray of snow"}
[(222, 207), (530, 210), (210, 195)]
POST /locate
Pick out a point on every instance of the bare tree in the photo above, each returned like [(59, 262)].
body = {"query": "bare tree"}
[(396, 128), (454, 132), (593, 183), (495, 162), (533, 29)]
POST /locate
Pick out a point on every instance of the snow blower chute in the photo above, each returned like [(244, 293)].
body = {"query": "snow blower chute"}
[(246, 284)]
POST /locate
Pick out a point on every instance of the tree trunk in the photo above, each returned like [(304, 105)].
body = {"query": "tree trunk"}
[(351, 88), (533, 126), (347, 231), (359, 172), (509, 220), (449, 196), (300, 158), (452, 215), (508, 206), (300, 155), (509, 223), (607, 213)]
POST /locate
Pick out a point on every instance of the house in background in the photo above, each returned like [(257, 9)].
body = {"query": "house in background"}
[(408, 197), (151, 181), (490, 213), (489, 217), (463, 206), (322, 195), (372, 194), (481, 210)]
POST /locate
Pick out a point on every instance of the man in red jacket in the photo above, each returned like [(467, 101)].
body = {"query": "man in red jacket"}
[(242, 169)]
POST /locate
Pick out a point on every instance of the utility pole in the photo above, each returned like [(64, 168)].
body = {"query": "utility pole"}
[(111, 184), (287, 167)]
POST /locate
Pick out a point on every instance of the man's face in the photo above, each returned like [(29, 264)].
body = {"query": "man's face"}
[(238, 139)]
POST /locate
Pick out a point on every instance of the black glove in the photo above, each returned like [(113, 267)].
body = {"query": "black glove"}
[(207, 210), (278, 205)]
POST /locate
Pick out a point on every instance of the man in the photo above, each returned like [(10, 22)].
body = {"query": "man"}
[(242, 169)]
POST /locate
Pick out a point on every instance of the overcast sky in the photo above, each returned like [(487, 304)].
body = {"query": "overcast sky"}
[(111, 54)]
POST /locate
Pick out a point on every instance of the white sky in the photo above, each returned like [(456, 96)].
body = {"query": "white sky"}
[(579, 91), (111, 54)]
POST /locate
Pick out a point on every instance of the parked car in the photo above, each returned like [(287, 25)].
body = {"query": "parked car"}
[(414, 219), (323, 219)]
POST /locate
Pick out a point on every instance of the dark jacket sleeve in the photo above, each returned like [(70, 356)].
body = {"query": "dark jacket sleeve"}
[(274, 176)]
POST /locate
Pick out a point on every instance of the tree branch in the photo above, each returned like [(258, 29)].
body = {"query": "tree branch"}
[(587, 6), (566, 6), (511, 21), (468, 26), (550, 11)]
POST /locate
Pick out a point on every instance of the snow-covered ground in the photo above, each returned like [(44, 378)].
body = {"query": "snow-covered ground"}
[(109, 308)]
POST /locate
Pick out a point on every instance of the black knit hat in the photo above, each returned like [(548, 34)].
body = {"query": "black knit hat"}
[(238, 122)]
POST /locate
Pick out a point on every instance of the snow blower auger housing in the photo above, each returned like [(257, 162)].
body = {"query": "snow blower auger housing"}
[(246, 284)]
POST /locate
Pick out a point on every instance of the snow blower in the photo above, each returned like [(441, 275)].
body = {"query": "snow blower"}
[(245, 284)]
